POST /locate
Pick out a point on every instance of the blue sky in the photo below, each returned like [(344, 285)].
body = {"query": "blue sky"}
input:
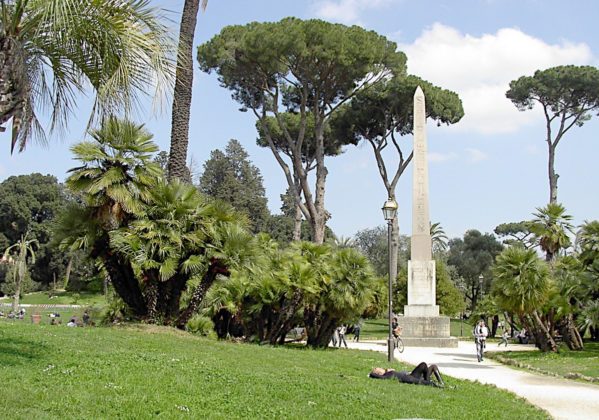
[(488, 169)]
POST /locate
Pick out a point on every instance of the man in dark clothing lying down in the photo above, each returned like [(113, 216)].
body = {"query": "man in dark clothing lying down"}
[(421, 375)]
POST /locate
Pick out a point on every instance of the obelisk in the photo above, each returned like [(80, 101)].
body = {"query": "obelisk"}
[(422, 325), (421, 267)]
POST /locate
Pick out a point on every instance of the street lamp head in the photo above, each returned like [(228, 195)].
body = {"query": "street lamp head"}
[(390, 209)]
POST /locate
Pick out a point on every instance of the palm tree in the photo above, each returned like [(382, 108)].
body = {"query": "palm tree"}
[(588, 241), (521, 286), (52, 49), (24, 251), (439, 238), (182, 95), (551, 226), (590, 319), (180, 236), (115, 180)]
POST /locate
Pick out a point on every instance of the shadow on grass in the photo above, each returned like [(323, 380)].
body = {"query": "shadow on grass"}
[(17, 351)]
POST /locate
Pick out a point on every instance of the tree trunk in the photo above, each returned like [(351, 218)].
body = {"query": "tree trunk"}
[(297, 224), (182, 94), (14, 88), (394, 251), (199, 293), (547, 343), (571, 335), (552, 175), (18, 282), (67, 275), (125, 284), (297, 221), (319, 219)]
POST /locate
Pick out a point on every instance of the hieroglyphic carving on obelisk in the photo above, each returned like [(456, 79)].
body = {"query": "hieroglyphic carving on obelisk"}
[(421, 267)]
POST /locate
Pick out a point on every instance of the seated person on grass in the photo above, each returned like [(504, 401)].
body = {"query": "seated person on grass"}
[(421, 375)]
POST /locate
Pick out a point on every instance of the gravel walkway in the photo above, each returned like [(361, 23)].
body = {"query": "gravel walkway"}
[(562, 398)]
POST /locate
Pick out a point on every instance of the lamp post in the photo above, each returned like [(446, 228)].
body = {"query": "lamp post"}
[(389, 212), (463, 290)]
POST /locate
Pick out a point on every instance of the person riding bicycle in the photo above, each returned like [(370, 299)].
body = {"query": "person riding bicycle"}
[(480, 336), (395, 328)]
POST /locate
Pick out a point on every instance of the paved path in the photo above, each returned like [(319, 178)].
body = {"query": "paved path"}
[(41, 305), (562, 398)]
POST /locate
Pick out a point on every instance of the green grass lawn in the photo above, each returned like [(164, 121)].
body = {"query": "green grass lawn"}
[(143, 372), (60, 297), (565, 363)]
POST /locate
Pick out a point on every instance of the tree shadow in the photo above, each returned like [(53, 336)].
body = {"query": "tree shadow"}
[(19, 351)]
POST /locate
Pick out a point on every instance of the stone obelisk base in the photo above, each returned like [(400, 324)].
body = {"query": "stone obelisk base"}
[(425, 331)]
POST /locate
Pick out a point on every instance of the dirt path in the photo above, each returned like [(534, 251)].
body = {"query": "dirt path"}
[(562, 398)]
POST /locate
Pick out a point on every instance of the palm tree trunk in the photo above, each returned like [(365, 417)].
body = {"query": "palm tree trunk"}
[(182, 94), (67, 275), (18, 277), (199, 293), (548, 343), (571, 335)]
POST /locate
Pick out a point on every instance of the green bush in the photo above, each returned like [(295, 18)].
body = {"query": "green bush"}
[(200, 325)]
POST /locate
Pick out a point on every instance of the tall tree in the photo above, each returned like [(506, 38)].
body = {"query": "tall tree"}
[(231, 177), (182, 94), (115, 180), (382, 114), (302, 66), (568, 96), (50, 50), (472, 256)]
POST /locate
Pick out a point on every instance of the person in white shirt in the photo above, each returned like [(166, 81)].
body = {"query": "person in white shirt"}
[(480, 336)]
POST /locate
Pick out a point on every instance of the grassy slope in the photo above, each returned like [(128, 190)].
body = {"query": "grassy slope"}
[(60, 372), (565, 362)]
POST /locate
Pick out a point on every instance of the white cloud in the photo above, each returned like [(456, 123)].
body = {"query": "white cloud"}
[(346, 11), (475, 155), (479, 69), (441, 157)]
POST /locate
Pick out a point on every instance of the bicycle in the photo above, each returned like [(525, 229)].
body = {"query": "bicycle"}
[(398, 343)]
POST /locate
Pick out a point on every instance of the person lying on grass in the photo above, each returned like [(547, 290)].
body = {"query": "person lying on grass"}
[(421, 375)]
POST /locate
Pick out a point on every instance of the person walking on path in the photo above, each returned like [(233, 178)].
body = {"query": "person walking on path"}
[(504, 338), (342, 330), (335, 337), (480, 337), (357, 329)]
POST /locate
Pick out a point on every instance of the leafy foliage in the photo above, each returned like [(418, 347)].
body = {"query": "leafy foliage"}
[(314, 286), (232, 178), (51, 50), (305, 67), (551, 227), (472, 256), (154, 239)]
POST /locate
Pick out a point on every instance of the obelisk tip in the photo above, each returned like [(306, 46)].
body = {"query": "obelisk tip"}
[(419, 92)]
